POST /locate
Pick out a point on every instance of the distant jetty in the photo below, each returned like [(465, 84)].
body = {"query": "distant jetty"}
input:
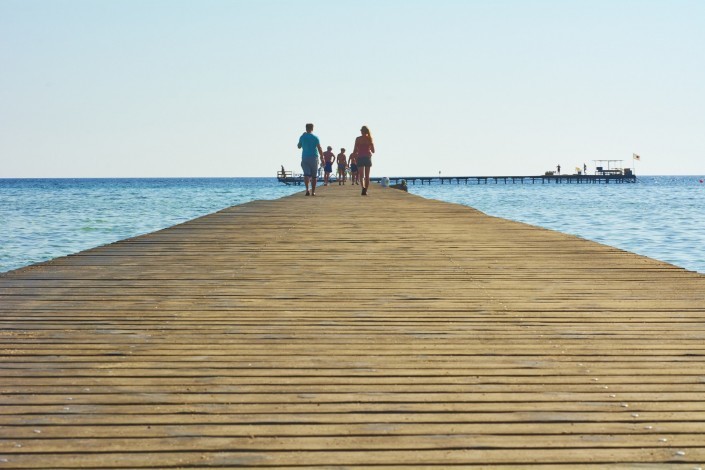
[(601, 177)]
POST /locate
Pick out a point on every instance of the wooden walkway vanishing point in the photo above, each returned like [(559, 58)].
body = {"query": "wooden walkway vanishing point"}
[(339, 331)]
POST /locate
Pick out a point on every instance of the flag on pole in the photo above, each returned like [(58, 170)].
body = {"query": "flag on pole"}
[(636, 157)]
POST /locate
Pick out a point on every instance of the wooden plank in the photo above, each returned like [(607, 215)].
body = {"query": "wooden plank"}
[(383, 442), (535, 429), (562, 421), (440, 458), (406, 333)]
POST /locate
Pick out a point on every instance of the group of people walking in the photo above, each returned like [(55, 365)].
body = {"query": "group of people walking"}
[(343, 165), (359, 162)]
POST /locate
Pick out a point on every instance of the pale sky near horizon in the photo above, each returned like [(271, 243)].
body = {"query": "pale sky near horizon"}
[(150, 88)]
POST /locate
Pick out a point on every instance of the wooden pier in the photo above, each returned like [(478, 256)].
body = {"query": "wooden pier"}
[(292, 179), (340, 331)]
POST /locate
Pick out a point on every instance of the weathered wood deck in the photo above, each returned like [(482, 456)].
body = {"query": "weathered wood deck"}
[(341, 331)]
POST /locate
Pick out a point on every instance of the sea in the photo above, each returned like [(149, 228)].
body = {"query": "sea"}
[(662, 217)]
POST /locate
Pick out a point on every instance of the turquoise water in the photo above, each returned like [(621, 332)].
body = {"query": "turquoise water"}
[(661, 217), (41, 219)]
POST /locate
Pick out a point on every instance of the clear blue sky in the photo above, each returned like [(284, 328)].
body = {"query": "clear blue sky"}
[(224, 88)]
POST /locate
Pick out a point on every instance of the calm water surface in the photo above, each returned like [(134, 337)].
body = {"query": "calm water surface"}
[(41, 219), (661, 217)]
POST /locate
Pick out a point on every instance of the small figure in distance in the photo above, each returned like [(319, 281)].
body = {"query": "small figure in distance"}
[(327, 162), (342, 166), (584, 169), (364, 148), (558, 167), (354, 175), (283, 172), (309, 143), (402, 186)]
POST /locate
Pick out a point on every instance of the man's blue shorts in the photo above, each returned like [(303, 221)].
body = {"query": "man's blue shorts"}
[(310, 166)]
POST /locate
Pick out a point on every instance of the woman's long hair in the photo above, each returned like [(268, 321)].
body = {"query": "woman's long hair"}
[(366, 132)]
